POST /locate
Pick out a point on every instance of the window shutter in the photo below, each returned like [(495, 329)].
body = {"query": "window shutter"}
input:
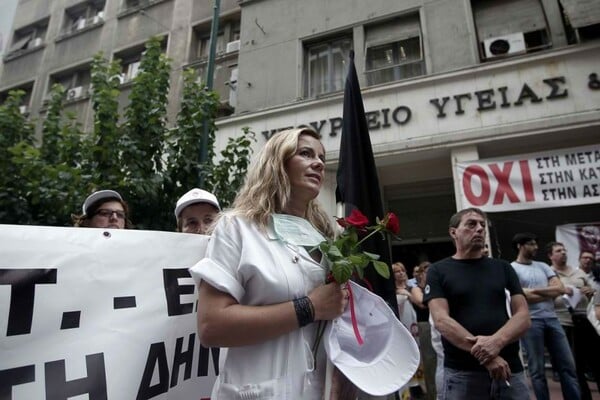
[(582, 12), (496, 18), (392, 31)]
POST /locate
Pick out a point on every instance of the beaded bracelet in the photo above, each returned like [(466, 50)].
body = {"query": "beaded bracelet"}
[(305, 311)]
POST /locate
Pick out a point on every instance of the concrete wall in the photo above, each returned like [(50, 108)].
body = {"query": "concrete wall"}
[(139, 26), (273, 33), (76, 48), (203, 10), (120, 31), (31, 11), (447, 27)]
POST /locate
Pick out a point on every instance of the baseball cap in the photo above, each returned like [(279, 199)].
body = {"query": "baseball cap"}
[(99, 195), (195, 196), (389, 356)]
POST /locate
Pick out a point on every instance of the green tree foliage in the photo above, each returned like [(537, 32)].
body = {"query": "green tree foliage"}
[(150, 165), (105, 150), (145, 130), (228, 176), (143, 136), (198, 105), (15, 134), (61, 166)]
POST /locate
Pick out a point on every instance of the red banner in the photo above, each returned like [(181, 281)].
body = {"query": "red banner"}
[(555, 178)]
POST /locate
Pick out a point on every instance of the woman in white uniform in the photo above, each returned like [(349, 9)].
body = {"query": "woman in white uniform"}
[(260, 290)]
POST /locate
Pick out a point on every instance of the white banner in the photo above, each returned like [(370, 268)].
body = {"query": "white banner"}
[(100, 314), (556, 178), (579, 237)]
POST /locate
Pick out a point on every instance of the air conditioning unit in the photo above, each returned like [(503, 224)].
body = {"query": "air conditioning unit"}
[(98, 17), (23, 109), (74, 93), (513, 43), (232, 46), (35, 42)]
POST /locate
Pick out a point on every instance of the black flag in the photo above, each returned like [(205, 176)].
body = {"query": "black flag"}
[(357, 181)]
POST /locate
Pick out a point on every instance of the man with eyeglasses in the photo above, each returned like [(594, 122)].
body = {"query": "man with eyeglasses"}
[(541, 285), (103, 209)]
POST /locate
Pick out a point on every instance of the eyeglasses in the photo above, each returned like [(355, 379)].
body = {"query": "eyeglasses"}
[(106, 213)]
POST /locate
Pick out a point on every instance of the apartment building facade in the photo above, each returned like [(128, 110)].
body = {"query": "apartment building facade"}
[(54, 41), (444, 82)]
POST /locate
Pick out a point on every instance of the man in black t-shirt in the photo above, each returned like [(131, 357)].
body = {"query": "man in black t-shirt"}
[(478, 306)]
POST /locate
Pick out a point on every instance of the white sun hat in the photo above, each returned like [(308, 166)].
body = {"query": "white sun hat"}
[(389, 356), (195, 196), (99, 195)]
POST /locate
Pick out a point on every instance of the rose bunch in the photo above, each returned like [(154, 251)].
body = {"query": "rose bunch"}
[(344, 252)]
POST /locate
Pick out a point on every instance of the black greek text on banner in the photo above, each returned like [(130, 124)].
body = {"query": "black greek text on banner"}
[(103, 313), (556, 178)]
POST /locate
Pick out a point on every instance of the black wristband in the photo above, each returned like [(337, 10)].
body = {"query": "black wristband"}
[(305, 311)]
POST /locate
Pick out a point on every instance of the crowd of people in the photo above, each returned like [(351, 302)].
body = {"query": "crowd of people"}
[(497, 320), (262, 285)]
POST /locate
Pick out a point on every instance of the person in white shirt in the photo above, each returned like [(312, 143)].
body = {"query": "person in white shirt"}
[(541, 285), (260, 286)]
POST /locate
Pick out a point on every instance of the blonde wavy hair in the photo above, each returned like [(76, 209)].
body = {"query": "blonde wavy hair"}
[(266, 190)]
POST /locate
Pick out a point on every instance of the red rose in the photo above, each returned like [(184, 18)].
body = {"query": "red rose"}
[(393, 225), (357, 219)]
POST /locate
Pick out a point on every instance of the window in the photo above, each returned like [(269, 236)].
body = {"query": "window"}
[(394, 50), (225, 83), (588, 32), (511, 27), (29, 37), (130, 63), (127, 4), (130, 67), (131, 70), (131, 60), (326, 65), (76, 82), (25, 99), (204, 45), (84, 14), (226, 60), (228, 38)]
